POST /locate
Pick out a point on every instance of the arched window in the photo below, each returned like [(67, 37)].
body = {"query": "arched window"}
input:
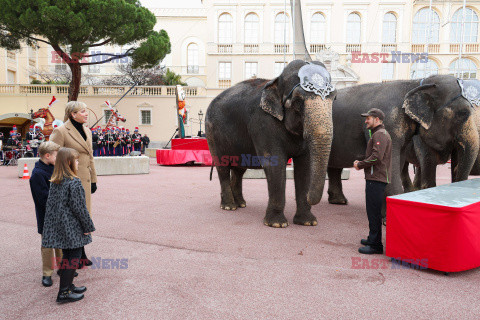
[(470, 33), (282, 25), (318, 28), (225, 28), (463, 68), (389, 32), (192, 58), (354, 27), (251, 28), (421, 70), (423, 30)]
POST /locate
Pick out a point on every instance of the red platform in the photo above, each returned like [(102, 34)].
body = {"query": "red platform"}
[(438, 228), (185, 150), (190, 144)]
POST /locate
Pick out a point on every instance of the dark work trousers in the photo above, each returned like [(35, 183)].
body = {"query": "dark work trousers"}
[(70, 261), (374, 194)]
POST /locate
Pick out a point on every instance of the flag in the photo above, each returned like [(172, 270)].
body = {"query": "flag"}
[(53, 101)]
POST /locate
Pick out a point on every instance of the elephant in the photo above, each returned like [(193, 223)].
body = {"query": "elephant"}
[(425, 159), (262, 124), (432, 109)]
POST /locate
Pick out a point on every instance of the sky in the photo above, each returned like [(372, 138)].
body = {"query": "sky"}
[(171, 4)]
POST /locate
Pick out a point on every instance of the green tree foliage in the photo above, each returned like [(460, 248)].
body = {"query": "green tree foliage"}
[(170, 78), (72, 27)]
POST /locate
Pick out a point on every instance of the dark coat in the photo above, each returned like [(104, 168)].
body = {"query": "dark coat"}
[(40, 185), (67, 217)]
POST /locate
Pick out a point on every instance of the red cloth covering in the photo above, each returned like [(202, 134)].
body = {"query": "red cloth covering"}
[(190, 144), (446, 238), (169, 157)]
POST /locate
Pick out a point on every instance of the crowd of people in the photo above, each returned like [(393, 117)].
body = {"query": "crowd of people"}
[(117, 141), (16, 147), (105, 142)]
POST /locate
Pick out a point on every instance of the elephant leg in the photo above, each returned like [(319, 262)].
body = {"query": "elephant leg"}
[(276, 180), (406, 181), (428, 164), (417, 181), (335, 191), (301, 175), (228, 201), (236, 186)]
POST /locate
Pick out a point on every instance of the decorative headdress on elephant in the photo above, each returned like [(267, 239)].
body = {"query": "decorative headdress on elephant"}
[(432, 95), (311, 77), (471, 90)]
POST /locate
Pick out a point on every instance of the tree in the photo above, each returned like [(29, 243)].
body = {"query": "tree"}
[(73, 27), (171, 78), (156, 76)]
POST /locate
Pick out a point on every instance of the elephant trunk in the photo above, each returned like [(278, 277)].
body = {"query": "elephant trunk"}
[(318, 132), (465, 151)]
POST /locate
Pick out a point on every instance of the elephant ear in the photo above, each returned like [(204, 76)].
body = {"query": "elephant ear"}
[(419, 105), (271, 101)]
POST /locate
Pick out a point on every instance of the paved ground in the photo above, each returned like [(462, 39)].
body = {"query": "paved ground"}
[(188, 259)]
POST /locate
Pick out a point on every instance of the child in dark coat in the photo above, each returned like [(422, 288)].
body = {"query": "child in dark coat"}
[(67, 221), (39, 186)]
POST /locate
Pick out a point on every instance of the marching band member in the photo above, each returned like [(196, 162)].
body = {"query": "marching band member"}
[(31, 137), (137, 140), (101, 141), (118, 141), (94, 142)]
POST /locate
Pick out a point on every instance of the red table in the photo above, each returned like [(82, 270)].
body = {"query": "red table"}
[(190, 144), (169, 157), (438, 227)]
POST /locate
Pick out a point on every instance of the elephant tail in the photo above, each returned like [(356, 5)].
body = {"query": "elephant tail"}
[(211, 172)]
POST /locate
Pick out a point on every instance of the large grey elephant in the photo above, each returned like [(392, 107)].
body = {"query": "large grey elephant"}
[(425, 158), (432, 108), (259, 123)]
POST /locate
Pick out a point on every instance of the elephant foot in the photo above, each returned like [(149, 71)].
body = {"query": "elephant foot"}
[(228, 206), (337, 199), (241, 203), (305, 219), (278, 221)]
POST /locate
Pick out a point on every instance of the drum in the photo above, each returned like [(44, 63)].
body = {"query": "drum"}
[(9, 155), (34, 143)]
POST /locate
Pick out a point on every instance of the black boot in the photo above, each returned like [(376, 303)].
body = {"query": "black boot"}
[(59, 272), (81, 289), (67, 295), (84, 261), (47, 281)]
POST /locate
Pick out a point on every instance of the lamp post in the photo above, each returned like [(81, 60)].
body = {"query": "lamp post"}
[(200, 117)]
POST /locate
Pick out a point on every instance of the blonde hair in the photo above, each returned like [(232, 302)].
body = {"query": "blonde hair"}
[(65, 165), (72, 107), (47, 147)]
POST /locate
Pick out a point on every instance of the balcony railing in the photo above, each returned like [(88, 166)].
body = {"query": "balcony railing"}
[(171, 91), (467, 47), (353, 47), (471, 47), (225, 83), (224, 48), (250, 48), (281, 48), (98, 90), (316, 48), (192, 69), (389, 47), (421, 48)]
